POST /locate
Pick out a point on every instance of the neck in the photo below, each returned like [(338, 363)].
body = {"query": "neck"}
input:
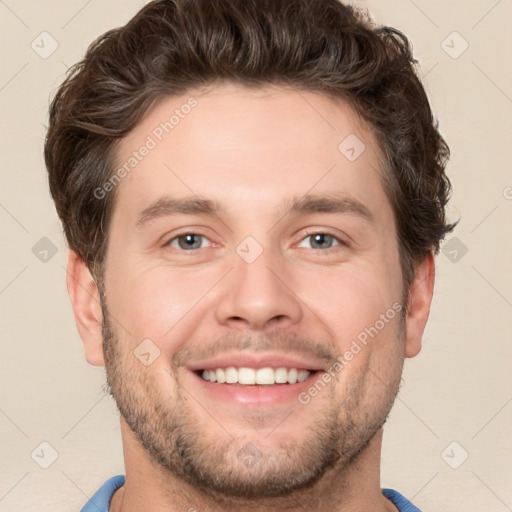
[(354, 488)]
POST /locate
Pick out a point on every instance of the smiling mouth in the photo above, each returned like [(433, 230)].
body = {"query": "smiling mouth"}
[(255, 377)]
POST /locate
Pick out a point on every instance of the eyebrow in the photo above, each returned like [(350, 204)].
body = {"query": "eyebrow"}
[(326, 203)]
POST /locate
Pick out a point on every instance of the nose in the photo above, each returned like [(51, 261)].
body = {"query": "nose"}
[(258, 295)]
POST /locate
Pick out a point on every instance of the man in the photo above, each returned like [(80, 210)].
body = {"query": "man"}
[(253, 193)]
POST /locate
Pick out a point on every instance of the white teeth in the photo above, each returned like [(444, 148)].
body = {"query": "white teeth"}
[(221, 375), (260, 376), (302, 375), (265, 376), (292, 376), (246, 376), (231, 375), (281, 375)]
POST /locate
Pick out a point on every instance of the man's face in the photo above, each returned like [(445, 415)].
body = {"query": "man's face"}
[(254, 285)]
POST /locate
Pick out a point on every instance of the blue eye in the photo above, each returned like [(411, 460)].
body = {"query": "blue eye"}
[(323, 240), (188, 241), (191, 241)]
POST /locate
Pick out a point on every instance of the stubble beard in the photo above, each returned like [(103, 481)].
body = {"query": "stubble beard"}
[(226, 466)]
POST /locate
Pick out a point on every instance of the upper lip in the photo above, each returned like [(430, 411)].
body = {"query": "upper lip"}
[(260, 360)]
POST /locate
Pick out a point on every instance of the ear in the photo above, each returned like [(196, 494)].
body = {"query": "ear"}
[(418, 304), (85, 299)]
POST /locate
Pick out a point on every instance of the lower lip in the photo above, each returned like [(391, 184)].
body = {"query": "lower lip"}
[(254, 395)]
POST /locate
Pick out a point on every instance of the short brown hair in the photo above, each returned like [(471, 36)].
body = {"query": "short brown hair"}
[(171, 46)]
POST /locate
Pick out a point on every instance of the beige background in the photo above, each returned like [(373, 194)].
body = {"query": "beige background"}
[(457, 390)]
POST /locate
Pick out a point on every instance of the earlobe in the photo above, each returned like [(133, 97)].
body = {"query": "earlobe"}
[(85, 299), (418, 307)]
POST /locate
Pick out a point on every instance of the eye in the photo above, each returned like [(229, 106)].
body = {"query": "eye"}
[(191, 241), (323, 240), (187, 241)]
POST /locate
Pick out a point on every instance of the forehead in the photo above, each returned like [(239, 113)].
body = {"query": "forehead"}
[(245, 145)]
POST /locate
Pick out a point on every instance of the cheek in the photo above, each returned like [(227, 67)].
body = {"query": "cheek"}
[(350, 299), (145, 303), (153, 302)]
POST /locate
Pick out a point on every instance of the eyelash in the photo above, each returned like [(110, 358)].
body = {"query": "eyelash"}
[(341, 243)]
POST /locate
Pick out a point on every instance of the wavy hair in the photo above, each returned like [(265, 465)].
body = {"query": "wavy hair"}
[(171, 46)]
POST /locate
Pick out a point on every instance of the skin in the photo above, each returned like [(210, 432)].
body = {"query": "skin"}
[(251, 150)]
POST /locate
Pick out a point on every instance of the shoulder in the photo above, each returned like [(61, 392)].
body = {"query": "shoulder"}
[(100, 501), (403, 504)]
